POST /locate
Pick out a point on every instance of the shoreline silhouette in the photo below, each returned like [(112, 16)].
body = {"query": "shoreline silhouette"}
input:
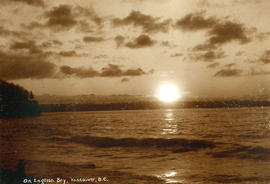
[(150, 105), (15, 101)]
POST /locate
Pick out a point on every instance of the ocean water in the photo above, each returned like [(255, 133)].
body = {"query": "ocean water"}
[(143, 146)]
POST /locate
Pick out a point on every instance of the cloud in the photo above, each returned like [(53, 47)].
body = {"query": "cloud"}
[(168, 44), (110, 70), (204, 47), (258, 72), (140, 42), (262, 36), (51, 43), (265, 58), (5, 32), (89, 13), (228, 73), (65, 17), (208, 56), (60, 17), (89, 39), (229, 65), (134, 72), (218, 31), (70, 53), (176, 55), (115, 71), (31, 2), (226, 32), (28, 45), (194, 22), (148, 23), (119, 40), (101, 56), (34, 25), (213, 65), (125, 79), (79, 72), (16, 66)]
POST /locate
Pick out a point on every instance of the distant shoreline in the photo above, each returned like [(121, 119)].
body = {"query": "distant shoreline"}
[(149, 105)]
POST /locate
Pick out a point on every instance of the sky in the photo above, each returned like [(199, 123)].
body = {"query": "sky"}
[(207, 48)]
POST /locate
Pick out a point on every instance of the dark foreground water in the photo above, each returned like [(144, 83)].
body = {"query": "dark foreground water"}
[(144, 146)]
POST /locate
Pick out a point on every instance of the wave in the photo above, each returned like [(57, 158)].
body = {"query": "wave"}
[(237, 179), (177, 145), (244, 152)]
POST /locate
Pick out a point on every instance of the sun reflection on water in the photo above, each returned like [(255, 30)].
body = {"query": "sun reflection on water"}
[(171, 126), (169, 177), (170, 174)]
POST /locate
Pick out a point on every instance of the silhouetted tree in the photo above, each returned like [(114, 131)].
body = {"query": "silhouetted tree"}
[(15, 177), (15, 101)]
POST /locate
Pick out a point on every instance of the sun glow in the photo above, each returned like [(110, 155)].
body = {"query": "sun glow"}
[(168, 93)]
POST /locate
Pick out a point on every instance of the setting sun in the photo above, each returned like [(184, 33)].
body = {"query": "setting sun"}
[(168, 93)]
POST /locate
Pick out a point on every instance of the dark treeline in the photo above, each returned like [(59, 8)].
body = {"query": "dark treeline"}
[(15, 101), (149, 105)]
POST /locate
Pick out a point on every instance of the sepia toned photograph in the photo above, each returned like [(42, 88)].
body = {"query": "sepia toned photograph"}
[(134, 92)]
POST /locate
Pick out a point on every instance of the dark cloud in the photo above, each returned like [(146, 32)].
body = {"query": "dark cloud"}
[(195, 21), (31, 2), (51, 43), (230, 65), (176, 55), (213, 65), (15, 66), (204, 47), (65, 17), (79, 72), (125, 79), (85, 26), (57, 42), (6, 32), (134, 72), (101, 56), (119, 40), (168, 44), (92, 39), (218, 31), (148, 23), (110, 70), (70, 53), (265, 58), (28, 45), (115, 71), (226, 32), (228, 72), (89, 13), (34, 25), (60, 17), (208, 56), (140, 42)]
